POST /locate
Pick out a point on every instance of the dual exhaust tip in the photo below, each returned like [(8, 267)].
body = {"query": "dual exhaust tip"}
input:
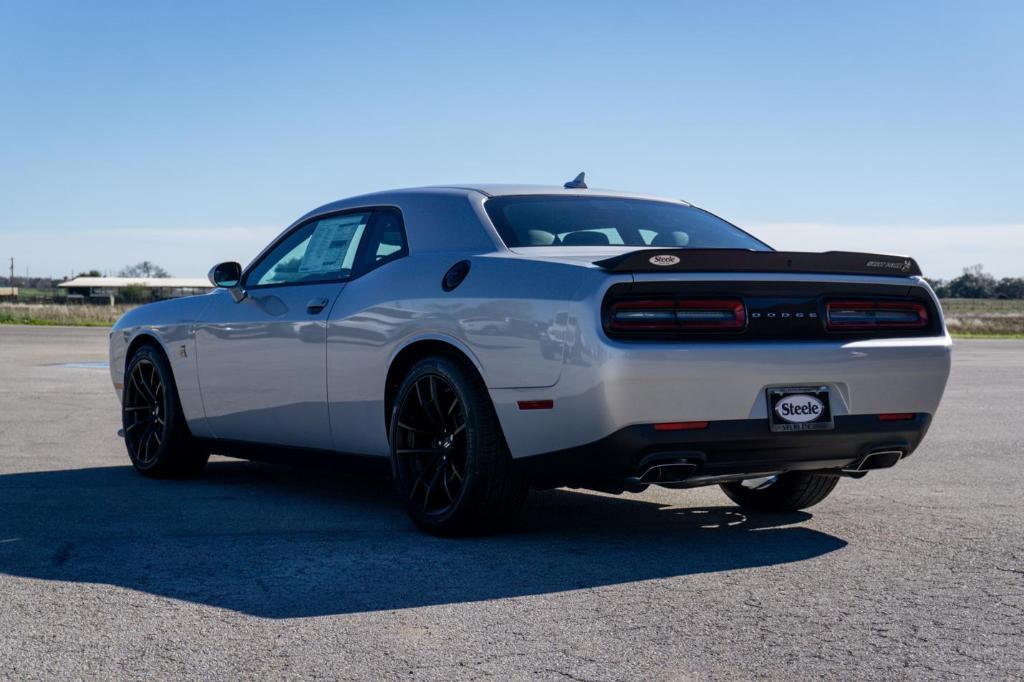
[(678, 471), (667, 473), (879, 459)]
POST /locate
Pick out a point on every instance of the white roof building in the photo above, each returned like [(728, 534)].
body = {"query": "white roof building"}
[(115, 288), (145, 282)]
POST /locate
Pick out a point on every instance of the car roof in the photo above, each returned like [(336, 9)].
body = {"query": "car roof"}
[(456, 226), (505, 190), (487, 190)]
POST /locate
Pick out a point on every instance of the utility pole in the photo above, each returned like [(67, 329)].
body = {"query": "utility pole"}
[(12, 271)]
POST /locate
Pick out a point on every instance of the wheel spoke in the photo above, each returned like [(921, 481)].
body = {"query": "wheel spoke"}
[(455, 472), (430, 455), (426, 405), (439, 471), (140, 384), (144, 444), (444, 481), (412, 429), (135, 383), (423, 474), (436, 402)]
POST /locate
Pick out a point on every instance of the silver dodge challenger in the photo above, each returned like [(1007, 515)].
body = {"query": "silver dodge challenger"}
[(479, 340)]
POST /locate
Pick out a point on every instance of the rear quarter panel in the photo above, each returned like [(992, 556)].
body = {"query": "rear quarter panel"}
[(504, 316)]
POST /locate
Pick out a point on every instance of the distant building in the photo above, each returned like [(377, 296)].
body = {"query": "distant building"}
[(111, 289)]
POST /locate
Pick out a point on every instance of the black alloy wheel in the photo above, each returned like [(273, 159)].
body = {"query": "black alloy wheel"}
[(431, 445), (156, 436), (451, 465), (145, 413)]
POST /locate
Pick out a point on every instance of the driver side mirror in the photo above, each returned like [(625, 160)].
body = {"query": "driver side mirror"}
[(229, 276)]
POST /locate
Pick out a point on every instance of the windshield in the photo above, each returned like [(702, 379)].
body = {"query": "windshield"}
[(541, 220)]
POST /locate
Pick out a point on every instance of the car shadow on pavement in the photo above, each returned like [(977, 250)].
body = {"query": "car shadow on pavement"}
[(279, 543)]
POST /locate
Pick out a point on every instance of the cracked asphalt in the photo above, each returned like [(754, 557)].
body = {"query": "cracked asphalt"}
[(255, 571)]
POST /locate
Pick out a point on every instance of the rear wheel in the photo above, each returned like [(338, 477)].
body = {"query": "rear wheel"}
[(158, 440), (785, 492), (452, 468)]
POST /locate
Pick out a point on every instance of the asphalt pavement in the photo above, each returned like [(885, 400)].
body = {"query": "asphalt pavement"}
[(255, 571)]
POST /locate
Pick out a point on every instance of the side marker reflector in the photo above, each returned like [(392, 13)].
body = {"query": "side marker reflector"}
[(680, 426), (896, 417), (536, 404)]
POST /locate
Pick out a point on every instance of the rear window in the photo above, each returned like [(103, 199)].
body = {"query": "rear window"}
[(540, 220)]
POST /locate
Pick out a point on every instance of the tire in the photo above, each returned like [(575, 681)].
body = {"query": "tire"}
[(451, 467), (155, 433), (788, 492)]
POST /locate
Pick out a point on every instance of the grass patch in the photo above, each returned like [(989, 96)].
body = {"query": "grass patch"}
[(54, 314), (994, 337), (984, 317)]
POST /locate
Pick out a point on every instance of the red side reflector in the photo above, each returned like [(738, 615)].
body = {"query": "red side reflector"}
[(680, 426), (896, 417), (536, 404)]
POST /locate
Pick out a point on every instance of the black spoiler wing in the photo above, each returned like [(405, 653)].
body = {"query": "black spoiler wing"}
[(742, 260)]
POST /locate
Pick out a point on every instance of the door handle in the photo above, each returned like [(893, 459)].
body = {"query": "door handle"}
[(316, 305)]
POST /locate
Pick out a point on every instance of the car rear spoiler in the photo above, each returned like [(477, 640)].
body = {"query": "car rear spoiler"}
[(743, 260)]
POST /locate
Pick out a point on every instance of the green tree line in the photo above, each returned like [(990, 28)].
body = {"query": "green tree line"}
[(976, 283)]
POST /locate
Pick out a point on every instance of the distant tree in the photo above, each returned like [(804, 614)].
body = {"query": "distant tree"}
[(1010, 287), (91, 273), (973, 283), (144, 269), (940, 286), (290, 265), (134, 294)]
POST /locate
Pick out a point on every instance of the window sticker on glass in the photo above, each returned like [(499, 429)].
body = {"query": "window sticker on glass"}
[(330, 243)]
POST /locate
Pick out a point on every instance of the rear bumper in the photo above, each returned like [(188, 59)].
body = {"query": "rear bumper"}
[(608, 386), (724, 448)]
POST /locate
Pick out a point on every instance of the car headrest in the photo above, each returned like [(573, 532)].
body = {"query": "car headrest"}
[(540, 238), (674, 238), (585, 239)]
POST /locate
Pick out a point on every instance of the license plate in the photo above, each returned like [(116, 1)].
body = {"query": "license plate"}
[(799, 408)]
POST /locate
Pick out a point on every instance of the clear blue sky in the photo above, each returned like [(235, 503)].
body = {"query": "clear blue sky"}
[(181, 132)]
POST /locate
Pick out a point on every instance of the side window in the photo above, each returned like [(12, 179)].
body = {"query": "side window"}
[(385, 240), (321, 251)]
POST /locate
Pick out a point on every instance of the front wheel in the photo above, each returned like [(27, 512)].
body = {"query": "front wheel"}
[(786, 492), (155, 433), (452, 468)]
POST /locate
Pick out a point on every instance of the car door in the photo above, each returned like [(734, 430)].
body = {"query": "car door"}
[(362, 327), (262, 360)]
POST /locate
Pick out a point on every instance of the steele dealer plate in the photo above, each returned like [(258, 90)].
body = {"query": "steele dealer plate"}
[(799, 408)]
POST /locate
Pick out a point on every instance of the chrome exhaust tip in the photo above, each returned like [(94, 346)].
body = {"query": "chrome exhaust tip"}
[(666, 473), (879, 459)]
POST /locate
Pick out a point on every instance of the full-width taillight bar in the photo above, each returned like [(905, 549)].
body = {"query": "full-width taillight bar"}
[(679, 315), (867, 315)]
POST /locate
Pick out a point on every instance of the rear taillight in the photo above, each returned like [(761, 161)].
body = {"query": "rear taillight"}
[(868, 315), (722, 315)]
